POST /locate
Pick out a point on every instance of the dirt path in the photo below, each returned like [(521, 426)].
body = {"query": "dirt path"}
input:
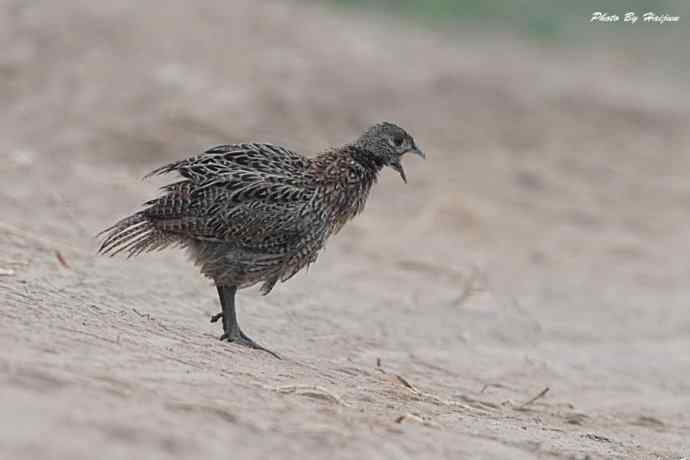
[(543, 245)]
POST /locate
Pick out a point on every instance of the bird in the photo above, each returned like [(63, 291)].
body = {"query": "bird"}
[(255, 213)]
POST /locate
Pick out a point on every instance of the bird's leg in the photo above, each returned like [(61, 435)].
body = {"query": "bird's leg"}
[(221, 296), (231, 329)]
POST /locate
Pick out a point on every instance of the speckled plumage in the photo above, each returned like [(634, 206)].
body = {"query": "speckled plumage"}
[(251, 213)]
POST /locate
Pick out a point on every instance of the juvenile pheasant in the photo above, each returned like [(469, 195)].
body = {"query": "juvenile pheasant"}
[(258, 213)]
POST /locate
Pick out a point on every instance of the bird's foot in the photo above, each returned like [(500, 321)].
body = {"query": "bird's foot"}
[(216, 317), (240, 338)]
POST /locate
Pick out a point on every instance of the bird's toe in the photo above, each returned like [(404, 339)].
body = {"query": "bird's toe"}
[(240, 338)]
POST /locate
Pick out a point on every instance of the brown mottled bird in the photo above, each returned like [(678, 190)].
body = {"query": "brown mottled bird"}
[(258, 213)]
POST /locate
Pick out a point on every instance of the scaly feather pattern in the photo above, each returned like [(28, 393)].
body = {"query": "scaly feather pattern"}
[(251, 213)]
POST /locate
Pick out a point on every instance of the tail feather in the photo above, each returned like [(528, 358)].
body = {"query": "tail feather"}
[(166, 169), (134, 234)]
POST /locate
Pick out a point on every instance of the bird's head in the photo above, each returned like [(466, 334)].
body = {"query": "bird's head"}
[(389, 142)]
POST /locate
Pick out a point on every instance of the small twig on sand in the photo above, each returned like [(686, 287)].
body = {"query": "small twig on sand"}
[(142, 315), (491, 385), (474, 402), (404, 381), (539, 395), (311, 391), (434, 399), (422, 396), (61, 259), (417, 419)]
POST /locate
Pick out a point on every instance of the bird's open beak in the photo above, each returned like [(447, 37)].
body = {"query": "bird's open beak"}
[(398, 167)]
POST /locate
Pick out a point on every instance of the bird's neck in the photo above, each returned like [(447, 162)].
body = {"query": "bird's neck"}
[(347, 167), (364, 170), (347, 177), (369, 161)]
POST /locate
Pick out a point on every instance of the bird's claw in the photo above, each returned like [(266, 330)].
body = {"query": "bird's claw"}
[(240, 338), (216, 317)]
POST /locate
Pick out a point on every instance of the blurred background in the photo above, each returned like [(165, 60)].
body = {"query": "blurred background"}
[(549, 23), (544, 241)]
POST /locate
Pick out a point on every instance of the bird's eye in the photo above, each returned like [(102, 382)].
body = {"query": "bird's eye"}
[(398, 141)]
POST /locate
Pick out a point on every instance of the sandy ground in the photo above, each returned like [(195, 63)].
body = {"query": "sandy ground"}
[(543, 244)]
